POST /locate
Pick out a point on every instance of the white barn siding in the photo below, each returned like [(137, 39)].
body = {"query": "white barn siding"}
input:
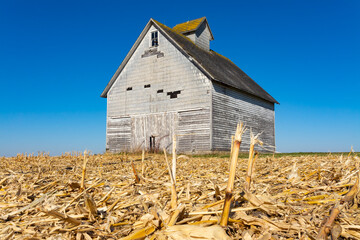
[(192, 37), (201, 37), (118, 134), (160, 125), (194, 132), (230, 106), (164, 68)]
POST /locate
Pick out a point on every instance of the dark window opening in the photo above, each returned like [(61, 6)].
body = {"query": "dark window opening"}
[(154, 39), (160, 91), (173, 94), (152, 143), (147, 86), (129, 89)]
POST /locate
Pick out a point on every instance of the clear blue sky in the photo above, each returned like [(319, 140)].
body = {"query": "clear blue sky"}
[(56, 57)]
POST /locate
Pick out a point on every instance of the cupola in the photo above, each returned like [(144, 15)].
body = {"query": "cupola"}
[(198, 31)]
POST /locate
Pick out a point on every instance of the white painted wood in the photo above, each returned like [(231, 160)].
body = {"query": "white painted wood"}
[(194, 131), (201, 37), (164, 68), (172, 72), (231, 106), (203, 115), (118, 135), (159, 125)]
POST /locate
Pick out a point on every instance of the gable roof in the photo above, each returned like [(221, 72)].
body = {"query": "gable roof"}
[(215, 66), (192, 26)]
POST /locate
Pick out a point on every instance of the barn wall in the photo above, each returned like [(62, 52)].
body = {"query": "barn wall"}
[(166, 70), (194, 131), (231, 106), (192, 37), (118, 134)]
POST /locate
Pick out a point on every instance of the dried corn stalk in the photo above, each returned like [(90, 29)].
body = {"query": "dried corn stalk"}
[(328, 226), (82, 186), (276, 208), (173, 202), (229, 190), (251, 163)]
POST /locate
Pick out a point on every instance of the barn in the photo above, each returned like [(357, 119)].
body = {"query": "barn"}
[(172, 83)]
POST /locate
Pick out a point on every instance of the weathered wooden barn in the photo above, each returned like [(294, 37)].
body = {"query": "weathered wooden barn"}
[(171, 82)]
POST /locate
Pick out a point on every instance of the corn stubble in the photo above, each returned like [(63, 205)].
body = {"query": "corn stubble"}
[(144, 196)]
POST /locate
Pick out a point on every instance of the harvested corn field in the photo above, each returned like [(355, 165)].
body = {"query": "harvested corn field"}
[(135, 196)]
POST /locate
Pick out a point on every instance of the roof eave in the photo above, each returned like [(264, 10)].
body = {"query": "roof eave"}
[(191, 59), (247, 92), (126, 59), (207, 23)]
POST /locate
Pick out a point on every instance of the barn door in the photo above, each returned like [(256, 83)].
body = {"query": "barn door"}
[(153, 132)]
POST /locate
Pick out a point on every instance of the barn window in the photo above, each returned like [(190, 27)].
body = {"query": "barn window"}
[(154, 39), (129, 89), (160, 91), (173, 94), (147, 86)]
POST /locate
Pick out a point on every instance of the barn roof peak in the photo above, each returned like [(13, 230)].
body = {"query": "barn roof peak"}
[(217, 67)]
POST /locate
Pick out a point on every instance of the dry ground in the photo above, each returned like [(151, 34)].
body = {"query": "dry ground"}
[(41, 197)]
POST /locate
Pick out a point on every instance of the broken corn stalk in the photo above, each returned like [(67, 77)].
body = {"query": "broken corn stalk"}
[(173, 202), (90, 204), (61, 216), (234, 156), (82, 186), (176, 214), (137, 179), (326, 229), (140, 234), (253, 141), (142, 163)]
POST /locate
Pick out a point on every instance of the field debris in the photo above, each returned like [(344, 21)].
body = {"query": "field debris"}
[(140, 196)]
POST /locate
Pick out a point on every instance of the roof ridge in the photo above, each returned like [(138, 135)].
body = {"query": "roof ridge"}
[(225, 71), (172, 30), (189, 26)]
